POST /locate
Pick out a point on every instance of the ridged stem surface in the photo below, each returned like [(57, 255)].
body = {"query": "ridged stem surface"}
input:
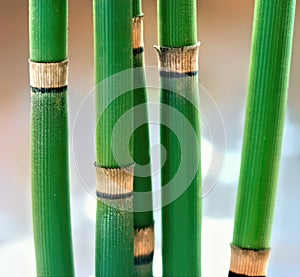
[(49, 144), (48, 30), (181, 219), (265, 114), (113, 54), (50, 184), (177, 24), (142, 179)]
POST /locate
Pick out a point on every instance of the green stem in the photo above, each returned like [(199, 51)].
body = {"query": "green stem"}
[(136, 8), (48, 30), (50, 184), (177, 24), (112, 21), (266, 105), (113, 54), (181, 219), (49, 144), (114, 241), (142, 179)]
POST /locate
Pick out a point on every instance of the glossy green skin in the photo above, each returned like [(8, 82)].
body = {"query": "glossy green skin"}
[(181, 220), (48, 30), (113, 54), (50, 184), (177, 24), (266, 105)]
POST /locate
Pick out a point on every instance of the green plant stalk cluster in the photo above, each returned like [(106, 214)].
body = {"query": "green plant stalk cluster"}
[(181, 219), (142, 180), (113, 54), (267, 97), (49, 145)]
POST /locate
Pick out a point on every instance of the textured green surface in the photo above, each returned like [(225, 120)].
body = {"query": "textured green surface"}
[(136, 8), (267, 96), (49, 145), (48, 30), (113, 54), (177, 25), (50, 184), (114, 245), (181, 220)]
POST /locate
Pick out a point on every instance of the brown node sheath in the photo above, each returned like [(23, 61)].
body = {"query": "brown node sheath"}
[(181, 60), (48, 75), (143, 241), (115, 186), (137, 33), (249, 262)]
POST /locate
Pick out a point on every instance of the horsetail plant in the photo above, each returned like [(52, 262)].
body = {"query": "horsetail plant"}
[(49, 137), (143, 221), (267, 97), (114, 176), (178, 57)]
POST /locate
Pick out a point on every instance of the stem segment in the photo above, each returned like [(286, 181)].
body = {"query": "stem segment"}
[(49, 138), (143, 221), (266, 105), (177, 23), (113, 54), (180, 136)]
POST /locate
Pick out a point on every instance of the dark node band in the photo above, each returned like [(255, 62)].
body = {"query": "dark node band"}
[(49, 90), (168, 74), (144, 259), (102, 195), (232, 274), (137, 51)]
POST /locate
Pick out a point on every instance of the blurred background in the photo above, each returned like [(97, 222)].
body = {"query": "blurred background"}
[(224, 28)]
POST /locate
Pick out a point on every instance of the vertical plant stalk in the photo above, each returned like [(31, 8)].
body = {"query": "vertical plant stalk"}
[(49, 138), (143, 221), (114, 172), (267, 96), (178, 57)]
